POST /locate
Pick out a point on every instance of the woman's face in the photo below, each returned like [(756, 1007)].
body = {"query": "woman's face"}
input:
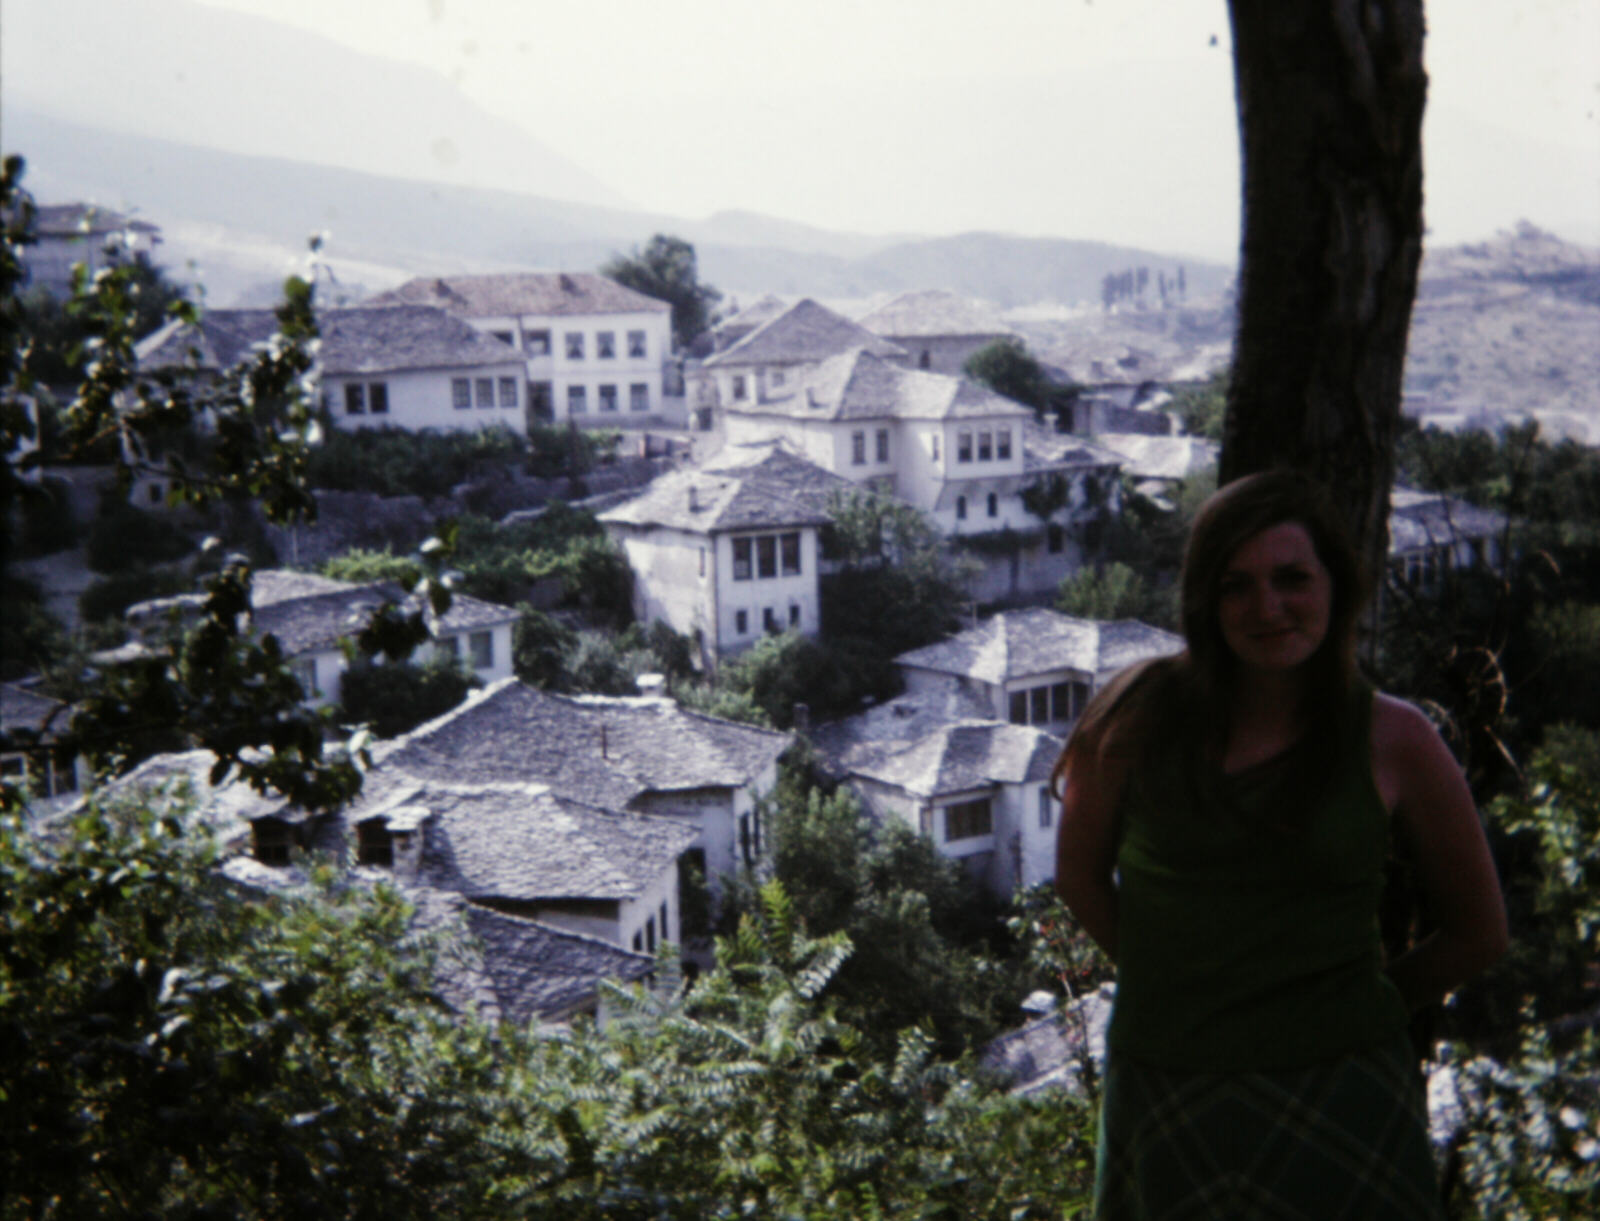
[(1275, 599)]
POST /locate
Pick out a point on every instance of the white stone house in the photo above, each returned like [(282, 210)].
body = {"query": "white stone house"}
[(32, 725), (593, 352), (72, 233), (769, 361), (1034, 667), (1431, 534), (729, 552), (940, 330)]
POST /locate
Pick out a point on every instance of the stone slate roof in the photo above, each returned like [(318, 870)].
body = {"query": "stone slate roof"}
[(355, 341), (959, 758), (858, 385), (228, 808), (1047, 1053), (1155, 457), (513, 294), (758, 313), (84, 220), (804, 333), (518, 840), (1022, 643), (603, 750), (31, 712), (1418, 520), (933, 313), (512, 969), (741, 488), (315, 621), (272, 585), (1043, 448)]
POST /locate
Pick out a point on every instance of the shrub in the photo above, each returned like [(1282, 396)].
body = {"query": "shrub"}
[(395, 697), (399, 462), (124, 537)]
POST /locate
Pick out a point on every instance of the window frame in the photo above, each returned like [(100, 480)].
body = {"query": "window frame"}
[(858, 447), (964, 445), (766, 556), (639, 396), (789, 562), (461, 393), (480, 648), (969, 820), (881, 442), (744, 561), (483, 391), (355, 398), (508, 393), (573, 345), (638, 345), (605, 345), (1002, 445), (577, 400), (536, 343)]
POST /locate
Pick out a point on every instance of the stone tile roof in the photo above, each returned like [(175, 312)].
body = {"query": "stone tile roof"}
[(272, 585), (1023, 643), (25, 710), (512, 969), (1048, 1053), (804, 333), (1156, 457), (519, 841), (935, 312), (549, 293), (1418, 520), (355, 341), (228, 808), (1043, 448), (858, 385), (603, 750), (84, 220), (312, 621), (958, 758), (758, 313), (742, 487)]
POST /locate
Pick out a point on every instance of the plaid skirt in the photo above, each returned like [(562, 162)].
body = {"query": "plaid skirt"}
[(1346, 1139)]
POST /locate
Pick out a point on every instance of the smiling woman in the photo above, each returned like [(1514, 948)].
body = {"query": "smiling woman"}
[(1226, 818)]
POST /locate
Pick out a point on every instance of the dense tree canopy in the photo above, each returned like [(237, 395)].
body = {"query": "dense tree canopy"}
[(666, 270)]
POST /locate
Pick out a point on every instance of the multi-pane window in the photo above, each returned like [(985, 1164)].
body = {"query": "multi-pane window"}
[(577, 400), (273, 839), (769, 621), (968, 820), (485, 391), (355, 399), (636, 344), (963, 446), (858, 447), (608, 398), (639, 396), (605, 344), (767, 555), (574, 345), (741, 622), (1039, 705), (378, 398), (740, 388), (742, 547), (1002, 445), (985, 445), (481, 645), (1051, 702), (790, 544), (883, 445), (508, 392), (460, 392), (537, 343)]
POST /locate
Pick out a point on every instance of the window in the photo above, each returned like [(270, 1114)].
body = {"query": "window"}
[(794, 615), (504, 336), (574, 345), (968, 820), (963, 446), (1002, 445), (508, 392), (378, 398), (994, 505), (790, 545), (925, 359), (305, 673), (740, 391), (1055, 538), (639, 397), (636, 349), (933, 440), (1019, 707), (1047, 808), (638, 943), (858, 447), (883, 445), (482, 646), (769, 621), (537, 343), (650, 935), (460, 392), (664, 936), (605, 345), (450, 646), (577, 400), (741, 623), (741, 559), (273, 840), (374, 844), (355, 399), (744, 840), (539, 399), (608, 398), (985, 445), (485, 391), (1039, 705), (767, 555), (1060, 702), (961, 508)]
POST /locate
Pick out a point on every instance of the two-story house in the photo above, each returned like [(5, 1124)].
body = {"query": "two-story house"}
[(594, 353), (405, 366), (940, 330), (729, 551)]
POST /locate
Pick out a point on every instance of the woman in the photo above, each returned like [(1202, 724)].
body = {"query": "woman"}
[(1226, 815)]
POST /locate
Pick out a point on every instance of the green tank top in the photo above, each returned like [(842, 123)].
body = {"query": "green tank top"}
[(1241, 945)]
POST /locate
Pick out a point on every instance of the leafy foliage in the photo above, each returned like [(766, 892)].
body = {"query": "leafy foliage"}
[(403, 462), (1200, 409), (1114, 592), (124, 536), (390, 699), (666, 269), (1008, 368)]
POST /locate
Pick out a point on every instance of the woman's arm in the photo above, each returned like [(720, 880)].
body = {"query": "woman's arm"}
[(1086, 848), (1427, 793)]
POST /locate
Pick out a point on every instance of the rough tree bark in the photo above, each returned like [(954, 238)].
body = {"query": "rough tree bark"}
[(1330, 97)]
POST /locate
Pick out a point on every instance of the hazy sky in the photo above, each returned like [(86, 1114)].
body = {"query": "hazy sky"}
[(1107, 119)]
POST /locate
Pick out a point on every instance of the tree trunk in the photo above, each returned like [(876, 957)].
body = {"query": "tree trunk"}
[(1330, 96)]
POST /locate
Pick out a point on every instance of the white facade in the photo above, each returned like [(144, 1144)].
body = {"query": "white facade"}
[(483, 652), (596, 370), (447, 400), (731, 831)]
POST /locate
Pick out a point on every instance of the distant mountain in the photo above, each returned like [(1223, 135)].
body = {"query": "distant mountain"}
[(242, 217)]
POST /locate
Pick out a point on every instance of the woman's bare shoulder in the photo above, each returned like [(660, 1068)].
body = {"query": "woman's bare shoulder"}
[(1400, 723), (1408, 753)]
